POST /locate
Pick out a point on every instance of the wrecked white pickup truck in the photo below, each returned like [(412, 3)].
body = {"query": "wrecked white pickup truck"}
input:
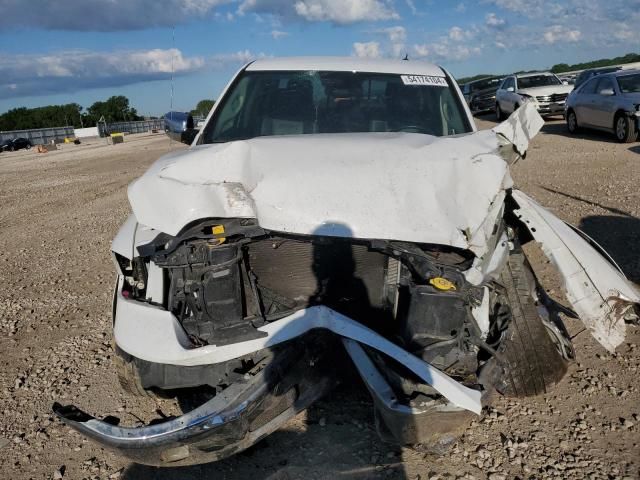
[(340, 202)]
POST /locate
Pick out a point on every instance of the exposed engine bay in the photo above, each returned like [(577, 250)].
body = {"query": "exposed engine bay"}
[(222, 288)]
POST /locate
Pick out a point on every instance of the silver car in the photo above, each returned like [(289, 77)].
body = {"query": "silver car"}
[(609, 102)]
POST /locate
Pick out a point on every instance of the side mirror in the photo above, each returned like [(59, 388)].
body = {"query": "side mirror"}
[(607, 92), (511, 89)]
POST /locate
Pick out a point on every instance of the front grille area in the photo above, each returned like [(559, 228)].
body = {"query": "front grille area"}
[(556, 97), (333, 272), (221, 292)]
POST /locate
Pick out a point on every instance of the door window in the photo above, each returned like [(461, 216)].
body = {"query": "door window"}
[(589, 87), (509, 83), (604, 84)]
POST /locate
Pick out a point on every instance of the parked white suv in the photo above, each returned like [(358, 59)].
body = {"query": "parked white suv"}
[(546, 90)]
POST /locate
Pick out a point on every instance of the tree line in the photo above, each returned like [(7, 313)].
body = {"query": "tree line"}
[(565, 67), (113, 109), (603, 62)]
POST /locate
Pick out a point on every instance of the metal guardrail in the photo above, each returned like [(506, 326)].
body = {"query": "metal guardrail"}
[(141, 126), (39, 136)]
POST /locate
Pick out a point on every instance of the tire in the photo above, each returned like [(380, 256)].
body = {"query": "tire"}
[(572, 122), (12, 148), (531, 363), (624, 129), (28, 147), (499, 115), (516, 107), (129, 377)]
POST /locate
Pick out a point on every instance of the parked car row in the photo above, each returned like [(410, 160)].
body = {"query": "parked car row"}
[(606, 99)]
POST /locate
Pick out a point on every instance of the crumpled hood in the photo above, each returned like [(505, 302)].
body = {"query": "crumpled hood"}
[(395, 186)]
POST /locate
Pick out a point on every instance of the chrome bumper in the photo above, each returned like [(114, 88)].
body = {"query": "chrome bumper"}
[(230, 422)]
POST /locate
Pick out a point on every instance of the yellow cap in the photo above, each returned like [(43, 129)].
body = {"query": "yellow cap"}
[(218, 230), (442, 284)]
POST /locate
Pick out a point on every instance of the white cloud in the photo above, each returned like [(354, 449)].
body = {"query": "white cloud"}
[(397, 38), (412, 7), (69, 71), (340, 12), (421, 51), (559, 33), (367, 50), (103, 16), (456, 33), (492, 20), (278, 34), (530, 8), (445, 51), (344, 11), (461, 7), (396, 34)]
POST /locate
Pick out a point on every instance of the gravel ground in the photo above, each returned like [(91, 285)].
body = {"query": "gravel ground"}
[(60, 211)]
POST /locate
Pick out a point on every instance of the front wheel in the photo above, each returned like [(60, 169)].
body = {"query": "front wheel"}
[(499, 115), (572, 122), (625, 129), (28, 146), (531, 363)]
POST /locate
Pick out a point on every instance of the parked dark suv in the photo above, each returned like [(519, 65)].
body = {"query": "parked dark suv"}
[(16, 144), (481, 94)]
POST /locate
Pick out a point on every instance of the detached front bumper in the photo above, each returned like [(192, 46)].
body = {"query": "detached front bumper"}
[(246, 412), (230, 422)]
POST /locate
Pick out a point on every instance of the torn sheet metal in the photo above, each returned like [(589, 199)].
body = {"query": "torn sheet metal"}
[(518, 130), (166, 342), (597, 291)]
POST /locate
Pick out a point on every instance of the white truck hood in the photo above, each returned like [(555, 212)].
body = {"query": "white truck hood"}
[(395, 186)]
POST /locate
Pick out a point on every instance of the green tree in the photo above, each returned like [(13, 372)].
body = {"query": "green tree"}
[(114, 109), (203, 107)]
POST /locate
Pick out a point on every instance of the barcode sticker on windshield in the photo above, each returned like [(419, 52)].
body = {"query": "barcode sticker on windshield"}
[(430, 80)]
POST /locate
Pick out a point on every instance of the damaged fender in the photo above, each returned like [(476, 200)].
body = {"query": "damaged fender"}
[(598, 292)]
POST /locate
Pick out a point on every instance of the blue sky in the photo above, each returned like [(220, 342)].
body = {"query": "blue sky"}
[(87, 50)]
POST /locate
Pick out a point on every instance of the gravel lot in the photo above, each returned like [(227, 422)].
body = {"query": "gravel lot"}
[(59, 212)]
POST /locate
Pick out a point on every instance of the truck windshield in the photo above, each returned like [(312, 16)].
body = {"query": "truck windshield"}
[(485, 84), (264, 103), (538, 81)]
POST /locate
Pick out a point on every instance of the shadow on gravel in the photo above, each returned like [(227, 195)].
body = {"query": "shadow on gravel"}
[(635, 148), (340, 442), (618, 234), (560, 129), (620, 237)]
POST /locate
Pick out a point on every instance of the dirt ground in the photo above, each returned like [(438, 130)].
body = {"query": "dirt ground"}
[(58, 214)]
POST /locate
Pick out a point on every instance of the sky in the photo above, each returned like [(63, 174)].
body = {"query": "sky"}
[(82, 51)]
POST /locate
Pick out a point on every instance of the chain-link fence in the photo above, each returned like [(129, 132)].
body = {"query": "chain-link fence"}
[(141, 126), (39, 135), (58, 134)]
